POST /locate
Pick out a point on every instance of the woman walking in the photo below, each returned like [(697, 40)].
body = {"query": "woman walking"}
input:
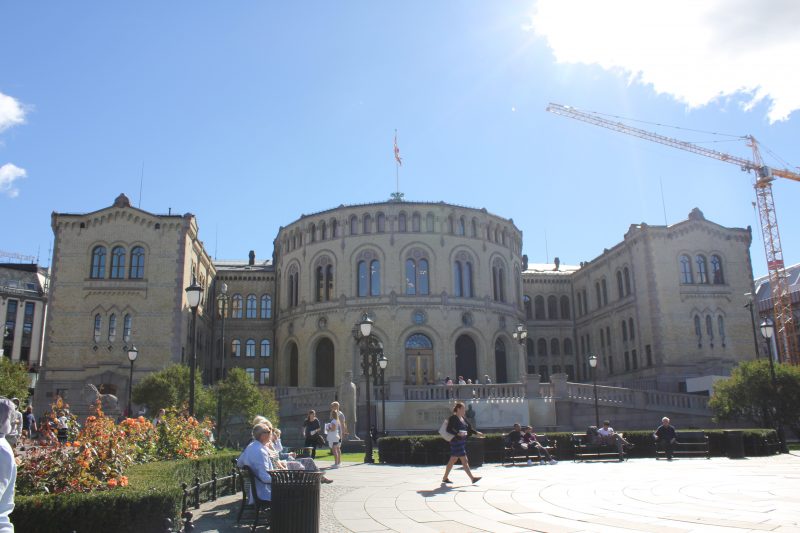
[(333, 428), (460, 428), (311, 429)]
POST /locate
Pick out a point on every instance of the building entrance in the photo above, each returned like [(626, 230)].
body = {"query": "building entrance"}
[(466, 358), (419, 360)]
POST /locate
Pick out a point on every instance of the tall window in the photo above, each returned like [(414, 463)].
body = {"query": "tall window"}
[(236, 306), (251, 374), (552, 308), (721, 329), (686, 270), (312, 233), (252, 310), (620, 287), (369, 277), (567, 346), (538, 306), (98, 262), (118, 262), (264, 376), (416, 223), (555, 347), (627, 274), (598, 294), (402, 224), (698, 330), (294, 286), (266, 306), (474, 232), (702, 269), (526, 300), (324, 285), (323, 229), (98, 326), (429, 223), (265, 348), (334, 228), (499, 282), (127, 323), (353, 225), (709, 327), (565, 314), (630, 327), (541, 347), (250, 348), (236, 348), (605, 291), (461, 226), (137, 263), (367, 224), (381, 223), (458, 279), (716, 270), (417, 276), (624, 331), (112, 327)]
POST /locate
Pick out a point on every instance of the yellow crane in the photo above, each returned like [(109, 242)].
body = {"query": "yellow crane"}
[(764, 176)]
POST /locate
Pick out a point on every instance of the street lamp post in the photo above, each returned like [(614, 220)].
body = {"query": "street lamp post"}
[(193, 293), (521, 336), (370, 348), (750, 304), (133, 353), (222, 305), (383, 362), (33, 379), (593, 364), (768, 330)]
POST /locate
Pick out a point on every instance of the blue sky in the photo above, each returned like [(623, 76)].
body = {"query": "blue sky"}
[(249, 114)]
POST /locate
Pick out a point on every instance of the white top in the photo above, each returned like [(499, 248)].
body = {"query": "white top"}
[(605, 432), (256, 457), (16, 424), (8, 478), (332, 428)]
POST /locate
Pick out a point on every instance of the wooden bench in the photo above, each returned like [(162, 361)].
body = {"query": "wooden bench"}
[(594, 451), (512, 454), (688, 444)]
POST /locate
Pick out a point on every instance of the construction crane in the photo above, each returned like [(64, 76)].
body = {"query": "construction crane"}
[(764, 176)]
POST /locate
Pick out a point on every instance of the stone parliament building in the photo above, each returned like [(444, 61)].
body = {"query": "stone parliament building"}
[(446, 286)]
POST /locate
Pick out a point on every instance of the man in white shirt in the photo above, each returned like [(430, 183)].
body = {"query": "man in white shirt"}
[(256, 457), (8, 467), (610, 438), (16, 424)]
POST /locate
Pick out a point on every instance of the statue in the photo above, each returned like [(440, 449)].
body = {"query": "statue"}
[(471, 415), (347, 403), (108, 402)]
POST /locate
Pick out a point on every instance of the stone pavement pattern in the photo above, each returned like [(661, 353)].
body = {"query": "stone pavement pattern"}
[(688, 495)]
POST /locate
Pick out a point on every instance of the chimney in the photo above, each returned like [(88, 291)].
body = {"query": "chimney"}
[(557, 262), (252, 258)]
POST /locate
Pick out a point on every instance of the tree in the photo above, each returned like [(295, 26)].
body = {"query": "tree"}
[(13, 380), (170, 388), (240, 398), (749, 395)]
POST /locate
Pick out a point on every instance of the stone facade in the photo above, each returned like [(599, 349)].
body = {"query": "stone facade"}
[(118, 279), (23, 309)]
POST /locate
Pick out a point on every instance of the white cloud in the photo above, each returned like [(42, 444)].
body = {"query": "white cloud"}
[(9, 173), (697, 52), (11, 112)]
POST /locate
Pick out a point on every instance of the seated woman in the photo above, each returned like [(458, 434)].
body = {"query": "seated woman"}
[(274, 448)]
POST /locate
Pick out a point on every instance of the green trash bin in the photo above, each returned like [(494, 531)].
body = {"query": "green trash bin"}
[(734, 444), (295, 501)]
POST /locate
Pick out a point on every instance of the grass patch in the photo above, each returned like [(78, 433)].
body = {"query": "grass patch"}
[(355, 457)]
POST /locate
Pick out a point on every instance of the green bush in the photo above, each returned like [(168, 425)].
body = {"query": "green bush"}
[(153, 494), (433, 450)]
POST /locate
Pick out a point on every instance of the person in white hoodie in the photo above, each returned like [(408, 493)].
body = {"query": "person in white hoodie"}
[(8, 466)]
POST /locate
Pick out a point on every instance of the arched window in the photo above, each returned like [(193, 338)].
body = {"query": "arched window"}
[(605, 291), (265, 348), (702, 269), (411, 276), (627, 274), (716, 270), (461, 226), (293, 288), (402, 224), (416, 223), (598, 294), (538, 306), (312, 232), (98, 327), (118, 262), (251, 306), (499, 281), (567, 346), (236, 348), (620, 287), (369, 278), (552, 308), (526, 301), (127, 322), (98, 262), (422, 276), (541, 347), (334, 228), (381, 223), (530, 356), (320, 274), (474, 232), (565, 312), (555, 347), (721, 328), (137, 263), (709, 327), (429, 223), (367, 224), (323, 228), (686, 270), (328, 282), (458, 279), (624, 331), (697, 328), (112, 327), (266, 306), (363, 279), (236, 306), (353, 225), (250, 348), (632, 331)]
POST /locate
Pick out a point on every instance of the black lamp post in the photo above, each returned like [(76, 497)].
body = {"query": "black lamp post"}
[(383, 362), (33, 378), (593, 364), (768, 330), (370, 348), (133, 353), (521, 336), (193, 293), (750, 304), (222, 305)]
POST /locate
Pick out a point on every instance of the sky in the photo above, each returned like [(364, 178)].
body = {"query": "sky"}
[(250, 114)]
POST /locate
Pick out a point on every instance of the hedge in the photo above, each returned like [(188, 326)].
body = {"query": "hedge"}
[(153, 494), (433, 450)]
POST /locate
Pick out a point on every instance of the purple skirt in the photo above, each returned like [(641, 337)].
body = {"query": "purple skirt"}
[(458, 447)]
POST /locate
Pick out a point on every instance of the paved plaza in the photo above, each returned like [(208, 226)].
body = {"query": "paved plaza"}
[(686, 495)]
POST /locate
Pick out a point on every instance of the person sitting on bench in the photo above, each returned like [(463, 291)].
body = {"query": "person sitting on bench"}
[(256, 457), (514, 437), (606, 436), (666, 437), (530, 441)]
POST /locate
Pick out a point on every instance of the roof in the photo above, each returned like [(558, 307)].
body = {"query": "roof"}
[(242, 265), (551, 269), (20, 279), (764, 292)]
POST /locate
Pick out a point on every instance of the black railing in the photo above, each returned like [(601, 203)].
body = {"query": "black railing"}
[(198, 493)]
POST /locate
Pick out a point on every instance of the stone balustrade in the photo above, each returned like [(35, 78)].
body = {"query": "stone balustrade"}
[(464, 392)]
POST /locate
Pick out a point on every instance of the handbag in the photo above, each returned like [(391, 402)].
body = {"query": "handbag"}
[(443, 431)]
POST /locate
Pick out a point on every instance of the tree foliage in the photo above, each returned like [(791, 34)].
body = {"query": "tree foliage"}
[(170, 388), (749, 395), (241, 398), (13, 380)]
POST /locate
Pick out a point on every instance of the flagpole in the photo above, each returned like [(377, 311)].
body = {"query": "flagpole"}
[(396, 166)]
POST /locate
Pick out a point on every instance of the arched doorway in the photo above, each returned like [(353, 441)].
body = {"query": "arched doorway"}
[(419, 360), (466, 358), (501, 373), (323, 356), (293, 377)]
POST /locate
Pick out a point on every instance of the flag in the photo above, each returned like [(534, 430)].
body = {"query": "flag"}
[(397, 151)]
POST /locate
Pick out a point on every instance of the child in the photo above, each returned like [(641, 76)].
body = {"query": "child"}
[(332, 428)]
